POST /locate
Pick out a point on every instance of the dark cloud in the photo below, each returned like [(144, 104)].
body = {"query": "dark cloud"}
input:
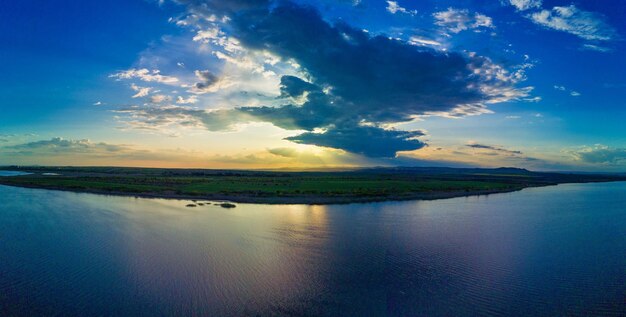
[(356, 82), (377, 78), (291, 86), (493, 148), (369, 141), (207, 81)]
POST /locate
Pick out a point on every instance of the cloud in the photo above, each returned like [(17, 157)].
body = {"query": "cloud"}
[(523, 5), (145, 75), (160, 98), (600, 154), (303, 157), (208, 82), (141, 91), (493, 148), (62, 146), (457, 20), (368, 141), (159, 118), (563, 88), (348, 85), (284, 151), (420, 41), (189, 100), (207, 35), (98, 103), (60, 151), (393, 7), (593, 47), (570, 19)]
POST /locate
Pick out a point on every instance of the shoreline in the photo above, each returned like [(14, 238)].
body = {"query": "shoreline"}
[(291, 200), (314, 188)]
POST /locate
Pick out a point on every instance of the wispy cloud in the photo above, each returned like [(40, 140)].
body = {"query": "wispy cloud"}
[(457, 20), (523, 5), (572, 93), (145, 75), (141, 91), (584, 24), (593, 47), (420, 41), (493, 148)]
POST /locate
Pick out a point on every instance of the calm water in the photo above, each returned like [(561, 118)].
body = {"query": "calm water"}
[(551, 251)]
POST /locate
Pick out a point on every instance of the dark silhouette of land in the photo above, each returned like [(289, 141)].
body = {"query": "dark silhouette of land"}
[(278, 187)]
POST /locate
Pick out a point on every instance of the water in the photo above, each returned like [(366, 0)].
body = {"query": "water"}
[(550, 251), (12, 173)]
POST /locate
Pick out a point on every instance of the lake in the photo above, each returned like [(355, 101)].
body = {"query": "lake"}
[(551, 251)]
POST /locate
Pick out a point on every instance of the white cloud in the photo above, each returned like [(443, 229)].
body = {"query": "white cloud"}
[(570, 19), (393, 7), (141, 91), (190, 100), (145, 75), (207, 35), (420, 41), (563, 88), (160, 98), (98, 103), (523, 5), (592, 47), (457, 20)]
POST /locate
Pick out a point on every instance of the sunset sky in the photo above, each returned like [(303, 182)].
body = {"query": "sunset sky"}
[(313, 84)]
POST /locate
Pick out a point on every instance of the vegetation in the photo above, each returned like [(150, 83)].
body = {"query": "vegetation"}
[(304, 187)]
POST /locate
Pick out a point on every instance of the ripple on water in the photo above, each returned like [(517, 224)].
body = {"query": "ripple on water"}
[(538, 252)]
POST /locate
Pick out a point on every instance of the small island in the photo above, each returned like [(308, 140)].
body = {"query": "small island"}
[(288, 187)]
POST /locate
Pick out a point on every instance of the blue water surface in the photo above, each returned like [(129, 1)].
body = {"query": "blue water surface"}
[(552, 251)]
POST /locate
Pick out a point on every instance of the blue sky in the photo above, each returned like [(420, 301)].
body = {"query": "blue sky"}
[(257, 83)]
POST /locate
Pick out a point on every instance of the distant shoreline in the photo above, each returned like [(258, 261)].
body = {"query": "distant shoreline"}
[(311, 188)]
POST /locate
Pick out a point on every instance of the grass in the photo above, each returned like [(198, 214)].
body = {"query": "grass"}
[(370, 183)]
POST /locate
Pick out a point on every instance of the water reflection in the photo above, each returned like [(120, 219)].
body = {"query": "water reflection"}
[(12, 173), (545, 251)]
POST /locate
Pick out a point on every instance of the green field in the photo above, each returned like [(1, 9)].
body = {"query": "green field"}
[(345, 186)]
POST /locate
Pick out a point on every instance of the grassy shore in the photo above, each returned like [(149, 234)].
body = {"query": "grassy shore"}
[(378, 184)]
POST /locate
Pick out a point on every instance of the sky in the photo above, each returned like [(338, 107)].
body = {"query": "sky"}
[(314, 84)]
